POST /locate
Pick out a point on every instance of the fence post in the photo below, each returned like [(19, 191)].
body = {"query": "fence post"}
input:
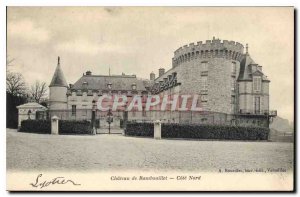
[(157, 130), (54, 125)]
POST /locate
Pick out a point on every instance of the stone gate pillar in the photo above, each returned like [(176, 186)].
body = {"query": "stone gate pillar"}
[(157, 130), (54, 125)]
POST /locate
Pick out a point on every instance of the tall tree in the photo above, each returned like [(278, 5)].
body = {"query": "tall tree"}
[(38, 91), (16, 93), (15, 84)]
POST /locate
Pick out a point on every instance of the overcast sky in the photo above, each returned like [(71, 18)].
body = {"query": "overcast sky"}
[(141, 40)]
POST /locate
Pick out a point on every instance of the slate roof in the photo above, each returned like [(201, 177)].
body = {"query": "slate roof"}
[(246, 72), (118, 82), (244, 68), (58, 78)]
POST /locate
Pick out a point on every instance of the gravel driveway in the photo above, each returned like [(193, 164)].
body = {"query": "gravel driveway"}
[(115, 152)]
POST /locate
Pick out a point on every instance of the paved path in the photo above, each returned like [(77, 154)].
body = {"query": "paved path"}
[(102, 152)]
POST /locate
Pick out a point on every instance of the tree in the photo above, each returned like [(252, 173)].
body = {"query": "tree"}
[(15, 84), (16, 94), (12, 102), (38, 91)]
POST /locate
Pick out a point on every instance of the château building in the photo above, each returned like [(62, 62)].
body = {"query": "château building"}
[(233, 88)]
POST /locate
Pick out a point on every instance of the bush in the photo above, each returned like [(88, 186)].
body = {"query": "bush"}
[(139, 129), (65, 126), (214, 132), (196, 131), (36, 126), (75, 127)]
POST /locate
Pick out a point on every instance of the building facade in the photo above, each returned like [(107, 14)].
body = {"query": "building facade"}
[(232, 88)]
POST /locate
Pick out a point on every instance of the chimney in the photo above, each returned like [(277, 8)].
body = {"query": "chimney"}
[(152, 76), (88, 73), (161, 71)]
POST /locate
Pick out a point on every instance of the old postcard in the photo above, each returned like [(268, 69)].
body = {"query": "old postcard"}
[(150, 99)]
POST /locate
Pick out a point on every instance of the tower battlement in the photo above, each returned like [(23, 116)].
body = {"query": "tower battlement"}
[(214, 48), (210, 45)]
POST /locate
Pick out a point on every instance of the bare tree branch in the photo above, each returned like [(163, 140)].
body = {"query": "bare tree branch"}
[(15, 84), (38, 91)]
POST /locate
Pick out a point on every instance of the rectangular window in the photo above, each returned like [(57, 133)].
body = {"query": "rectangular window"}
[(73, 110), (232, 99), (233, 69), (233, 83), (204, 66), (257, 84), (204, 84)]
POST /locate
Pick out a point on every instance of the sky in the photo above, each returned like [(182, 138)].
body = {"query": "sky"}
[(139, 40)]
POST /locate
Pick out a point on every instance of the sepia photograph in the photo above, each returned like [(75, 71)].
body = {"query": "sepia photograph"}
[(119, 98)]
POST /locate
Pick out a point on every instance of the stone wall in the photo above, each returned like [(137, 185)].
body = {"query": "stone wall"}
[(219, 77)]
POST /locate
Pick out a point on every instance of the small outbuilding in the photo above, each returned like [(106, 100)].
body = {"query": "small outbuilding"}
[(31, 111)]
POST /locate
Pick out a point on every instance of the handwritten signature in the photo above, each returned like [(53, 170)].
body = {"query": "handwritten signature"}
[(57, 180)]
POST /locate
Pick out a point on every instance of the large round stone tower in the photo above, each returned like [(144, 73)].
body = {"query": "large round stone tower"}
[(58, 92), (210, 69)]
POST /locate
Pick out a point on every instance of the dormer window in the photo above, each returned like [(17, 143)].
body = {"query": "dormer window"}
[(133, 86), (257, 83), (85, 84), (109, 85)]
